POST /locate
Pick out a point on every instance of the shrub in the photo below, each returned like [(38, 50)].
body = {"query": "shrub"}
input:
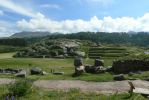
[(20, 88)]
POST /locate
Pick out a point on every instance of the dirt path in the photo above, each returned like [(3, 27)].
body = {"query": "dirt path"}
[(4, 81), (101, 87)]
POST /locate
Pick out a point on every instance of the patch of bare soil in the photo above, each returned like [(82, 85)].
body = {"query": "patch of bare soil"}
[(101, 87)]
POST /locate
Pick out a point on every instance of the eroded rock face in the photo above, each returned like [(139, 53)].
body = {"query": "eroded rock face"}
[(53, 48), (126, 66)]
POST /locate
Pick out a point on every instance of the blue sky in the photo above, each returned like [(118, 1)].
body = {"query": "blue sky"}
[(68, 16)]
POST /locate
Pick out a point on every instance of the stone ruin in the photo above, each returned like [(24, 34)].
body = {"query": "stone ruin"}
[(126, 66), (97, 68), (10, 71), (79, 68)]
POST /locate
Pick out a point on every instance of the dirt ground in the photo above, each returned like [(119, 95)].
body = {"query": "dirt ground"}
[(100, 87)]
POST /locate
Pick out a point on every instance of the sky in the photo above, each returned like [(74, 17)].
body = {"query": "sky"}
[(70, 16)]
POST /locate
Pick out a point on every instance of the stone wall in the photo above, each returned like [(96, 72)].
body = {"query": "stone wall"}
[(126, 66)]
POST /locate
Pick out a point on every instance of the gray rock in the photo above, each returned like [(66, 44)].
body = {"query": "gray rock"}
[(109, 69), (36, 71), (99, 62), (119, 77), (44, 73), (22, 74), (78, 61), (58, 73)]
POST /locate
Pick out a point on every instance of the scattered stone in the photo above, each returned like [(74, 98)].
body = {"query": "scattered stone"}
[(36, 71), (44, 73), (58, 73), (22, 74), (119, 77)]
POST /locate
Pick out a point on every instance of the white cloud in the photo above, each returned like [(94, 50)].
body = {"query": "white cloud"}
[(13, 6), (55, 6), (1, 13), (7, 29), (107, 24)]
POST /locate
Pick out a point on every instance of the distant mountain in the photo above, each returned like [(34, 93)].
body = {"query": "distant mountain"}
[(30, 34)]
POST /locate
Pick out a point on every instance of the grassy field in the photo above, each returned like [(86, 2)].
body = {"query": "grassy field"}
[(59, 65)]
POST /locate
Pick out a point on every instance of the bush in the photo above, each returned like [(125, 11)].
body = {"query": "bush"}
[(20, 88)]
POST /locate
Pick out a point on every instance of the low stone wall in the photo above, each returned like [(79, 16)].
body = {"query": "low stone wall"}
[(126, 66)]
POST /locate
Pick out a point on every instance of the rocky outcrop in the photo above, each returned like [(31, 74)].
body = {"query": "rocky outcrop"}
[(60, 48)]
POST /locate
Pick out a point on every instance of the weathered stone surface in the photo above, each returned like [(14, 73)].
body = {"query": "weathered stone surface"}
[(22, 74), (78, 61), (109, 69), (44, 73), (36, 71), (79, 70), (99, 62), (89, 69), (9, 71), (126, 66), (95, 70), (119, 77)]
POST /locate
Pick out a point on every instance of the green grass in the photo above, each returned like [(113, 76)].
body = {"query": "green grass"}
[(59, 65), (6, 55), (71, 94)]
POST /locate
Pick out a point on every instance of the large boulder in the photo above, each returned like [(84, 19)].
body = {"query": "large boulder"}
[(95, 70), (119, 77), (36, 71), (89, 69), (79, 70), (99, 62), (22, 74), (78, 61)]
